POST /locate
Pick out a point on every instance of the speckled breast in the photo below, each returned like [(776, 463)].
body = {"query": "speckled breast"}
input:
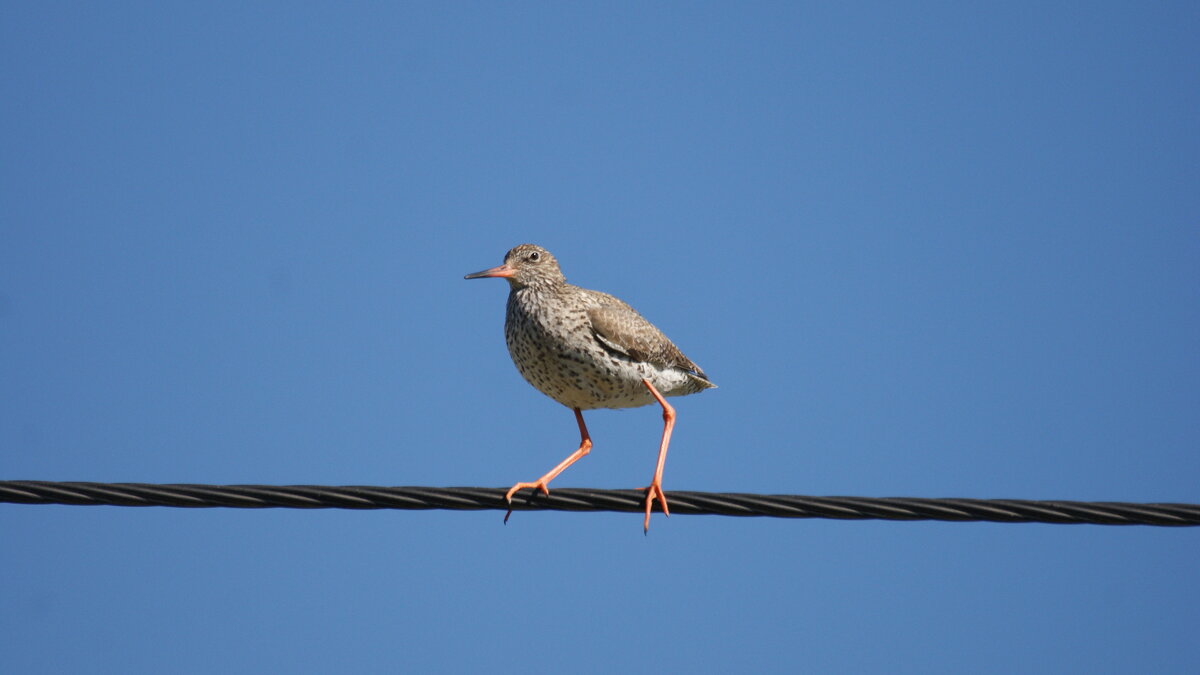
[(552, 344)]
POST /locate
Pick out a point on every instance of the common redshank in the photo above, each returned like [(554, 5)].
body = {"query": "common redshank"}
[(587, 350)]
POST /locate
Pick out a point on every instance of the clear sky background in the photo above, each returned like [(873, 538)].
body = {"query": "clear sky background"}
[(925, 249)]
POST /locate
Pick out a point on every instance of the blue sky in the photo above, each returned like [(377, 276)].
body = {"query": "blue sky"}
[(925, 249)]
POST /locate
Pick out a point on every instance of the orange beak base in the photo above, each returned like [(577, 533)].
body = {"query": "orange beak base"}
[(503, 271)]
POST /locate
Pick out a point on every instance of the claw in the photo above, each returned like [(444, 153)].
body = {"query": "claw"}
[(653, 492), (538, 484)]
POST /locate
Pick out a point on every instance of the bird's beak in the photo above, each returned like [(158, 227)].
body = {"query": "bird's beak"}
[(503, 271)]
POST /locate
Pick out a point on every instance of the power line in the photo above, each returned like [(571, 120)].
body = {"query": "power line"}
[(578, 499)]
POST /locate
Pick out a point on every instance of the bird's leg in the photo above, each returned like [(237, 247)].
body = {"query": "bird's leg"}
[(655, 490), (585, 446)]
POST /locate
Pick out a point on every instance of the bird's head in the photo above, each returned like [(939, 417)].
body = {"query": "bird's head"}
[(525, 265)]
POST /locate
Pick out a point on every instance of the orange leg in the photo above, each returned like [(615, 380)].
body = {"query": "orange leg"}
[(655, 490), (585, 446)]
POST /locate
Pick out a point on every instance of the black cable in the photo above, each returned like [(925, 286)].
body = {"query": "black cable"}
[(577, 499)]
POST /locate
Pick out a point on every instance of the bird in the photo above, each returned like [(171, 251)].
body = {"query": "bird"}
[(588, 350)]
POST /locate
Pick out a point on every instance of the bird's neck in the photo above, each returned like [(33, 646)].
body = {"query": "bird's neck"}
[(539, 288)]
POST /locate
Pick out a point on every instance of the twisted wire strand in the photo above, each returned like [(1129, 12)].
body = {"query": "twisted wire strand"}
[(578, 499)]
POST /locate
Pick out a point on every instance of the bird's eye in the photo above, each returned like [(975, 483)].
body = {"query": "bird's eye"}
[(535, 256)]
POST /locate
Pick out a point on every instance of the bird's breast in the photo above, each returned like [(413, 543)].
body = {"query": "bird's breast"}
[(553, 347)]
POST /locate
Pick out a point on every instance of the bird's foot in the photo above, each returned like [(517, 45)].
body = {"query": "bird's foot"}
[(653, 492), (539, 484)]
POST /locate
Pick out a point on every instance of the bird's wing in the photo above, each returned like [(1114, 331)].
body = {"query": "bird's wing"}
[(621, 329)]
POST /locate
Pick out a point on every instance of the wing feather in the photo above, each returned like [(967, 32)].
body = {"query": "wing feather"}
[(621, 329)]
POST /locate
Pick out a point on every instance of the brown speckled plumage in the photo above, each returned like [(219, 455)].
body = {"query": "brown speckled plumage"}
[(587, 349)]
